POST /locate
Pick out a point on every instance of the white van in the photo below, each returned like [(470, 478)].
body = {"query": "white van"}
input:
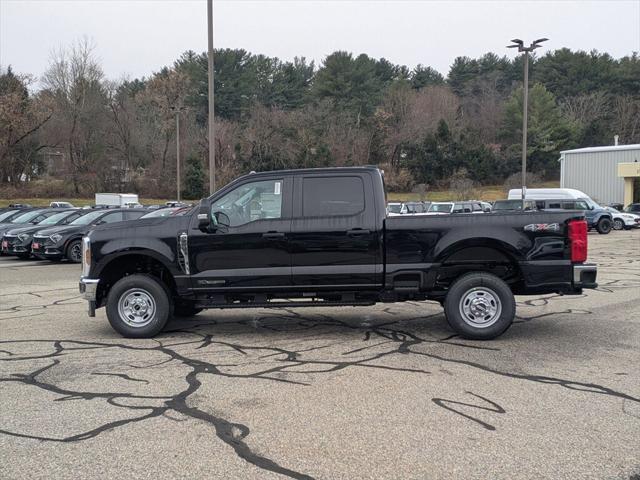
[(548, 193)]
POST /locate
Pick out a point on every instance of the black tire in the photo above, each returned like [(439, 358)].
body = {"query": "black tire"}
[(149, 292), (185, 310), (618, 224), (23, 256), (74, 251), (603, 226), (480, 292)]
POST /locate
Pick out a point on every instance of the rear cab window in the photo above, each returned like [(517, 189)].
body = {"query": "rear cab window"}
[(332, 196)]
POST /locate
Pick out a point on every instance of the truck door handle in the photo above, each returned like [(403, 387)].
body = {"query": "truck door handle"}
[(273, 235), (356, 232)]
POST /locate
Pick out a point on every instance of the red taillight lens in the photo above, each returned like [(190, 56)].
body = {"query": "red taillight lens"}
[(578, 240)]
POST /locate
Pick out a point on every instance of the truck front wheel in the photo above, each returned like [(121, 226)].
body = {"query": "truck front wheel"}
[(138, 306), (480, 306)]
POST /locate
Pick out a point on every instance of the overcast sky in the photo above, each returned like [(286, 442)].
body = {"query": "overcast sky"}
[(137, 37)]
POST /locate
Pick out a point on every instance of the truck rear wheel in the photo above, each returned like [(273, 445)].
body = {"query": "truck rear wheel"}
[(603, 226), (138, 306), (480, 306)]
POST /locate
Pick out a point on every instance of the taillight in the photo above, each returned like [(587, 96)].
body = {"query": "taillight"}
[(578, 240)]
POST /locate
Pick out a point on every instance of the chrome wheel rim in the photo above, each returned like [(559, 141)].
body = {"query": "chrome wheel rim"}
[(76, 252), (136, 307), (480, 307)]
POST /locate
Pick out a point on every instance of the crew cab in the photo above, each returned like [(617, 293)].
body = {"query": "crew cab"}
[(322, 237)]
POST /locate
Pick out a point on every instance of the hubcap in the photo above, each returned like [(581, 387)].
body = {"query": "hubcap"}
[(480, 307), (76, 252), (617, 224), (136, 307)]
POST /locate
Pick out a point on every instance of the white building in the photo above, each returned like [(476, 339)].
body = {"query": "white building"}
[(606, 174)]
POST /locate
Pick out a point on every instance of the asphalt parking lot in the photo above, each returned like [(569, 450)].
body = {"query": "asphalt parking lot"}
[(380, 392)]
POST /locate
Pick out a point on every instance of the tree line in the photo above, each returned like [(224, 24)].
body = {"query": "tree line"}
[(74, 131)]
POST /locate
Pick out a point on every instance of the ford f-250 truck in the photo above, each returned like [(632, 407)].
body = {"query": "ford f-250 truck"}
[(321, 237)]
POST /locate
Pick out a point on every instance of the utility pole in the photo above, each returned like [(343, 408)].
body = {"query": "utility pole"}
[(212, 141), (519, 44), (177, 109)]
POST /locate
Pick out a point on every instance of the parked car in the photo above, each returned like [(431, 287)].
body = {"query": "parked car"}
[(633, 208), (17, 241), (320, 237), (597, 217), (440, 208), (617, 206), (470, 206), (9, 213), (623, 220), (56, 243), (396, 208), (20, 205), (28, 217), (416, 207), (60, 205), (513, 206), (166, 212)]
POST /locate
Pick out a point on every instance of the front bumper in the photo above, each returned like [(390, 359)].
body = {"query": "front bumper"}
[(42, 247), (88, 288), (15, 246)]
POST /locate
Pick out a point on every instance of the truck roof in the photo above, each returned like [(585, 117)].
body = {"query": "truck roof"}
[(315, 171)]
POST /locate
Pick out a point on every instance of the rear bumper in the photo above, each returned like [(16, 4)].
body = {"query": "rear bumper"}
[(557, 276)]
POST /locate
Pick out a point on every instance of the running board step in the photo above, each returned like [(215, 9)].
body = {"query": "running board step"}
[(285, 304)]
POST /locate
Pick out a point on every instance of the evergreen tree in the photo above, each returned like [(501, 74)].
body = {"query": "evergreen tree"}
[(194, 178)]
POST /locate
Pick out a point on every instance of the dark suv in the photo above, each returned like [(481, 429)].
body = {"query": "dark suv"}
[(65, 241), (596, 216)]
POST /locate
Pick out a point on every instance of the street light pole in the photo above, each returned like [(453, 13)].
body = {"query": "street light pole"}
[(519, 44), (525, 114), (178, 153), (212, 143)]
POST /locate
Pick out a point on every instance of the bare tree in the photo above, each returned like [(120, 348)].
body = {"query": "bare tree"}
[(21, 118), (73, 83)]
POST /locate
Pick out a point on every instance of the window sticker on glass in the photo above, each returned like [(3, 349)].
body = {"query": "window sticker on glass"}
[(276, 188)]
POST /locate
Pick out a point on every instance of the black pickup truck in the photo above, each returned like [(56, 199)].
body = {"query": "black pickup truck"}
[(322, 237)]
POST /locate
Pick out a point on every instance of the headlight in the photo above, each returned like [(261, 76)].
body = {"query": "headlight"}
[(23, 237), (56, 237)]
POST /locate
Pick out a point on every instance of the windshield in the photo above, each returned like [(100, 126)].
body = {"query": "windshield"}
[(26, 217), (590, 203), (88, 218), (441, 207), (53, 219), (4, 215), (394, 207), (163, 212)]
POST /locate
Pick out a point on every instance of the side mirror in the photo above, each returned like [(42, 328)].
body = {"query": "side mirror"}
[(204, 221)]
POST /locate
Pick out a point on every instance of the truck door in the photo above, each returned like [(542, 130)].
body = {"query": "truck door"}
[(334, 239), (252, 252)]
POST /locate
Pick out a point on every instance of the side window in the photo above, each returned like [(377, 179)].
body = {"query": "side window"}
[(112, 217), (569, 205), (554, 205), (132, 215), (467, 208), (476, 207), (332, 196), (70, 218), (251, 201), (580, 205), (458, 208)]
